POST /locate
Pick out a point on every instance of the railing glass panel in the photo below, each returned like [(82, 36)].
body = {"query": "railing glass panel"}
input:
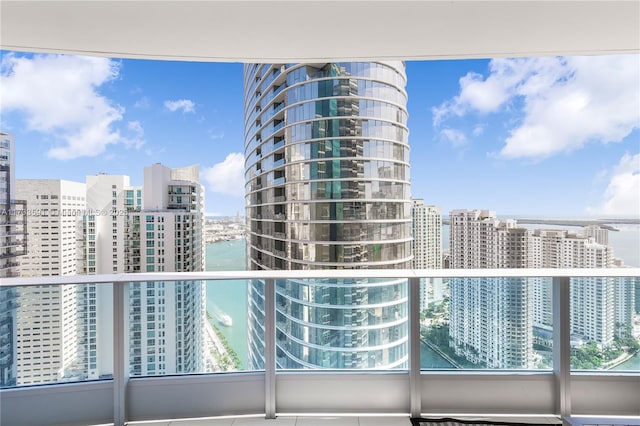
[(605, 324), (53, 333), (342, 323), (228, 319), (56, 334), (190, 327), (486, 323)]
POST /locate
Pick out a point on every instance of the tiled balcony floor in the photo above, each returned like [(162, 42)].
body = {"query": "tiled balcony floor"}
[(369, 421), (287, 421), (321, 421)]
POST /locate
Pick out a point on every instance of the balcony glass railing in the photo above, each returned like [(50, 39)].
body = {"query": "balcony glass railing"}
[(486, 323), (54, 333), (278, 144), (269, 322), (277, 90), (504, 323), (605, 327), (278, 107)]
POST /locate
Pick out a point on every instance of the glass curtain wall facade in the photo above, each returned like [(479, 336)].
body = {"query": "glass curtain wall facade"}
[(328, 187), (13, 243)]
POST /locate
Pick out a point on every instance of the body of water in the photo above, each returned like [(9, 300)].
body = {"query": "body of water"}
[(632, 364), (229, 297)]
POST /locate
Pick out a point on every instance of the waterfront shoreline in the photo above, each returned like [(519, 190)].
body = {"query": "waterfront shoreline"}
[(214, 343), (621, 360)]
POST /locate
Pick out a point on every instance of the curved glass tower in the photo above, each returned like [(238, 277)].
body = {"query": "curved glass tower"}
[(328, 187)]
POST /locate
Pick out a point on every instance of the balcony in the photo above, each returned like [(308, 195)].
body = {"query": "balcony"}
[(278, 142), (406, 391), (278, 107), (428, 30), (277, 90), (277, 125), (278, 163)]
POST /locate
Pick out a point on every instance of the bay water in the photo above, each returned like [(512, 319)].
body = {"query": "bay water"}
[(229, 297)]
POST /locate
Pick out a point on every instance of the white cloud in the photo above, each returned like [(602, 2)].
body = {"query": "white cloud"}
[(182, 104), (58, 96), (565, 102), (226, 177), (136, 127), (487, 96), (142, 103), (455, 137), (215, 134), (138, 135), (622, 196), (478, 130)]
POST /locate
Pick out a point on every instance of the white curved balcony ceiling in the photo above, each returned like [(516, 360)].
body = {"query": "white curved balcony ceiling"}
[(312, 30)]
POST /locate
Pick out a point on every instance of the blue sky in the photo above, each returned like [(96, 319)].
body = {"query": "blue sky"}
[(531, 136)]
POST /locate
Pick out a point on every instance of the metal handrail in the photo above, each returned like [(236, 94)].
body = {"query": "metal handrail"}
[(318, 274)]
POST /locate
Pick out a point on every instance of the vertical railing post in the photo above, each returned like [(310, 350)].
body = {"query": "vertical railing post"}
[(415, 386), (119, 356), (270, 348), (562, 346)]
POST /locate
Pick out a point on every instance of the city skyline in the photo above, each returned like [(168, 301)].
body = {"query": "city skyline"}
[(469, 123), (62, 332)]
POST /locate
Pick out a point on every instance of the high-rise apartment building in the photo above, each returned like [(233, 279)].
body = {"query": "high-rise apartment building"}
[(111, 242), (167, 319), (626, 295), (54, 221), (595, 302), (491, 319), (156, 227), (48, 316), (427, 249), (104, 251), (104, 227), (600, 307), (327, 187), (13, 228), (109, 200)]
